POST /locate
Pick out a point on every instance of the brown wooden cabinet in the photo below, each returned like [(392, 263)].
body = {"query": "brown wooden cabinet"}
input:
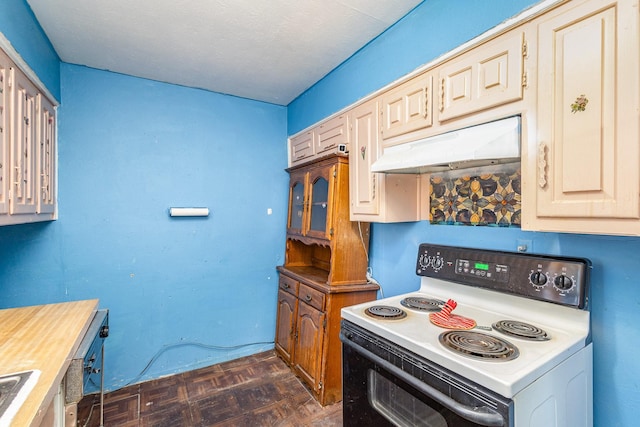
[(322, 243), (325, 270), (286, 317), (308, 327)]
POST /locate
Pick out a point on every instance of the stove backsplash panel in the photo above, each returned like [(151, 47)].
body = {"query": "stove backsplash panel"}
[(482, 196)]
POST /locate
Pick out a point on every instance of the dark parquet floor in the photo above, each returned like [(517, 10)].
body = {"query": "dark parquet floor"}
[(258, 390)]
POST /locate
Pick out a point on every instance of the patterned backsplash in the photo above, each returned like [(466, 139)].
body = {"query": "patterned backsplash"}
[(484, 196)]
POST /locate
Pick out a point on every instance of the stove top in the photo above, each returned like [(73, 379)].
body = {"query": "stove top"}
[(524, 335)]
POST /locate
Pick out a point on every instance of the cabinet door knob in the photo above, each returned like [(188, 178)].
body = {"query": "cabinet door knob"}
[(442, 98), (307, 298), (426, 102)]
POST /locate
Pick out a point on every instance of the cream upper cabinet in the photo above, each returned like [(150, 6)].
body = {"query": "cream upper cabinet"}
[(302, 147), (363, 184), (46, 155), (28, 159), (331, 134), (584, 151), (489, 75), (407, 109), (5, 100), (376, 197), (329, 137), (24, 120)]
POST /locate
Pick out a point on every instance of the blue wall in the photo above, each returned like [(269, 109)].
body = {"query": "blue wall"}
[(182, 293), (615, 296), (128, 150)]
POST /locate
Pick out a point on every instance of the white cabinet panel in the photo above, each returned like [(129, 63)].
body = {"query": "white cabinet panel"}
[(328, 137), (28, 162), (5, 100), (46, 144), (377, 197), (23, 152), (485, 77), (332, 134), (407, 108), (587, 165), (363, 190), (302, 147)]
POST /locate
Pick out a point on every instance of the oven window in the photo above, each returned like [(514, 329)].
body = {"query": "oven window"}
[(400, 407)]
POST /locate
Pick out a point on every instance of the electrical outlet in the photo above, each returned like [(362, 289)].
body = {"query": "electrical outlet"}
[(524, 245)]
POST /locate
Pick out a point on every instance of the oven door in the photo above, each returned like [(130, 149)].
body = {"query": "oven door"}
[(387, 385)]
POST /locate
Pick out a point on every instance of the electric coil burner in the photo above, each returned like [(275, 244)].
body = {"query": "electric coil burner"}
[(422, 304), (479, 345), (521, 330), (527, 362), (386, 312)]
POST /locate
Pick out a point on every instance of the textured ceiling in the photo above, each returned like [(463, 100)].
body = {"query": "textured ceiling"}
[(267, 50)]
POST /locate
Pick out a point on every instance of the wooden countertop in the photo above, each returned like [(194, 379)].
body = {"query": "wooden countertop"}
[(43, 337)]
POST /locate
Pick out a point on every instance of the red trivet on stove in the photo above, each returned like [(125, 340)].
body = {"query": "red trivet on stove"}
[(445, 319)]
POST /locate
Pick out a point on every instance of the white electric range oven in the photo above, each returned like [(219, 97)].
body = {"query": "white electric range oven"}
[(490, 339)]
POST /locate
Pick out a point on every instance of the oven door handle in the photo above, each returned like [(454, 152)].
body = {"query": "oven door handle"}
[(482, 415)]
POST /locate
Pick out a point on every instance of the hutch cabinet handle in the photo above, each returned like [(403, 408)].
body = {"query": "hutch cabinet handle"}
[(285, 286), (542, 165), (307, 298)]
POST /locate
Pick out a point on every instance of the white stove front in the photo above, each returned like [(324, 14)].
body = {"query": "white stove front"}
[(568, 329)]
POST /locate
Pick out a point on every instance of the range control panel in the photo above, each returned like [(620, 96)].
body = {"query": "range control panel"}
[(561, 280)]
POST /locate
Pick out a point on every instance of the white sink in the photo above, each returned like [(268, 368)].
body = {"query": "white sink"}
[(14, 390)]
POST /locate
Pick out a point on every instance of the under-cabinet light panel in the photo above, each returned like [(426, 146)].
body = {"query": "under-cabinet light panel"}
[(189, 211)]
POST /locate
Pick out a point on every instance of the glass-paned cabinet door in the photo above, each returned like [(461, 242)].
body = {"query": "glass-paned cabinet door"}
[(296, 203), (319, 209), (319, 204)]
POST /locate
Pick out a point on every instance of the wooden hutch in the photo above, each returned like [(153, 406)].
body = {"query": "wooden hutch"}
[(324, 270)]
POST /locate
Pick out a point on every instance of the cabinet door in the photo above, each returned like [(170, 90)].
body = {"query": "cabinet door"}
[(331, 134), (285, 324), (587, 165), (407, 108), (377, 197), (5, 100), (297, 202), (364, 188), (308, 349), (320, 192), (46, 144), (302, 147), (23, 154), (487, 76)]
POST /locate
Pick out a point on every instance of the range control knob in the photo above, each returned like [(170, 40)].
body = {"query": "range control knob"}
[(563, 283), (104, 331), (424, 261), (437, 263), (538, 278)]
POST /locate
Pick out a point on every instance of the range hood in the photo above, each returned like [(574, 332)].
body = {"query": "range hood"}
[(486, 144)]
